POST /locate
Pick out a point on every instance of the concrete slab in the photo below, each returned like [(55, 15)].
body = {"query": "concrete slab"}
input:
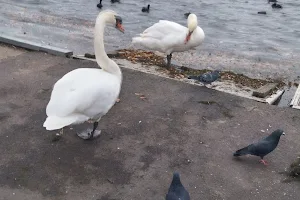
[(143, 141), (265, 90), (35, 46), (295, 103)]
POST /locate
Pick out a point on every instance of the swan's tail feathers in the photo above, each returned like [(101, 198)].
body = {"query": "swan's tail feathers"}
[(136, 40), (54, 122)]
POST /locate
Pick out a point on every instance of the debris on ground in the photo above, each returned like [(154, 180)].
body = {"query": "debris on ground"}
[(295, 168), (141, 96), (148, 58)]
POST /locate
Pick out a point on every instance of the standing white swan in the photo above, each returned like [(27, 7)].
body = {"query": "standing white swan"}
[(86, 93), (168, 37)]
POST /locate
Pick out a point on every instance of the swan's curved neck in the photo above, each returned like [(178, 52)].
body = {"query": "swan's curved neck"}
[(101, 57)]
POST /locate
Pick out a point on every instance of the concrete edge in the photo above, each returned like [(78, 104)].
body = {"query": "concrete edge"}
[(295, 103), (188, 81), (34, 46)]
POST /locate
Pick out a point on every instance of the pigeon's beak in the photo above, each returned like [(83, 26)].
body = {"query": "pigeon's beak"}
[(283, 133)]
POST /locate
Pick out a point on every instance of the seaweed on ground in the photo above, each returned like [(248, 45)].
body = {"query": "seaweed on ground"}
[(149, 58)]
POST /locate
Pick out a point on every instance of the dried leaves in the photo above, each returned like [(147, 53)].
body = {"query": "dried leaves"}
[(144, 57), (150, 58)]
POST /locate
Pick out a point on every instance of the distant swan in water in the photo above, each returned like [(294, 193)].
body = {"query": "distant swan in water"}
[(146, 9), (99, 5)]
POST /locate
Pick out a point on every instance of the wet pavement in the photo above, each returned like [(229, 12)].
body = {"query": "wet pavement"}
[(143, 141)]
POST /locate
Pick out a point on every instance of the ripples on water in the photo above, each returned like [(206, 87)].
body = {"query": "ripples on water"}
[(232, 27)]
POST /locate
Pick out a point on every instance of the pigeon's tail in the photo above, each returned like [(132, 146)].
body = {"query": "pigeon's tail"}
[(193, 77), (241, 152)]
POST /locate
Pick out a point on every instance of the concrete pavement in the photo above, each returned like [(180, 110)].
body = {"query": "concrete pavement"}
[(142, 143)]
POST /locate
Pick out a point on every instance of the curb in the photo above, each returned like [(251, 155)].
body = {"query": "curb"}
[(35, 46)]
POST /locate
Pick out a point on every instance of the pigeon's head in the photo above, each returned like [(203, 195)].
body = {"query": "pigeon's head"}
[(278, 133), (217, 72), (176, 179)]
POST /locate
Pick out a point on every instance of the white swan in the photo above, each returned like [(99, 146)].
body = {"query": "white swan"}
[(86, 93), (168, 37)]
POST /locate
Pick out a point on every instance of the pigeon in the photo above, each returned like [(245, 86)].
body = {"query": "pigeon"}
[(262, 147), (208, 77), (176, 190)]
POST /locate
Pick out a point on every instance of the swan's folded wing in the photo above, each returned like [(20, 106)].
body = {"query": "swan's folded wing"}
[(74, 95), (163, 28)]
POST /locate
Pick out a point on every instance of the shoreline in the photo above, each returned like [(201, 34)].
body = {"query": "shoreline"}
[(229, 82)]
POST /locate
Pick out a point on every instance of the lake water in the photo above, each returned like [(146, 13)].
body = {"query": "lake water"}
[(237, 38)]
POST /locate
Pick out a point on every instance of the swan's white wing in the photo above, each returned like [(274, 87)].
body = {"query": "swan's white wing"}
[(165, 27), (162, 36), (83, 94)]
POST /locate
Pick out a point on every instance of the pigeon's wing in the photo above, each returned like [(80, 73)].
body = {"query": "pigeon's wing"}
[(185, 195), (261, 148), (206, 77)]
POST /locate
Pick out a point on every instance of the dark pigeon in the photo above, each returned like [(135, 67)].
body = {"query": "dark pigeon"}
[(208, 77), (262, 147), (176, 190)]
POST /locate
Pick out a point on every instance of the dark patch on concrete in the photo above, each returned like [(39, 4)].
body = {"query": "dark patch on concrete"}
[(106, 197), (45, 166), (207, 102), (6, 109), (150, 155)]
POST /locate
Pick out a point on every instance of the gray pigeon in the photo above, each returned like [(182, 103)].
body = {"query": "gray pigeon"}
[(176, 190), (208, 77), (262, 147)]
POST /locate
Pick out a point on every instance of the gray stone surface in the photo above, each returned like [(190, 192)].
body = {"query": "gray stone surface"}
[(265, 90), (35, 46), (142, 142)]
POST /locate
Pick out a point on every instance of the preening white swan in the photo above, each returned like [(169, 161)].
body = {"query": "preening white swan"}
[(168, 37), (86, 93)]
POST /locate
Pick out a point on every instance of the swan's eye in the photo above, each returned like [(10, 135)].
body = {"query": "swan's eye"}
[(118, 20)]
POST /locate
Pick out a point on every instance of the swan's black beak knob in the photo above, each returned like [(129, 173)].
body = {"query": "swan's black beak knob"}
[(119, 25)]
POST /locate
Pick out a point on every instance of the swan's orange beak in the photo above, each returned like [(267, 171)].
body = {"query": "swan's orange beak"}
[(119, 26), (188, 37)]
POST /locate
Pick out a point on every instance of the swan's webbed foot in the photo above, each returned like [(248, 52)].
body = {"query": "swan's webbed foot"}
[(90, 134), (87, 134)]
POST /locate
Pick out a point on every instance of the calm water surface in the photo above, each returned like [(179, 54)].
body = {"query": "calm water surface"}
[(237, 38)]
